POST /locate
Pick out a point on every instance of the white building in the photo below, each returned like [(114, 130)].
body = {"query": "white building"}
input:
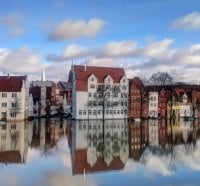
[(99, 147), (13, 142), (153, 104), (99, 92), (185, 107), (14, 98)]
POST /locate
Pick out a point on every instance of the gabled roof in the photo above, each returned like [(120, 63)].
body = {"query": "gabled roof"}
[(11, 83), (82, 73), (137, 82), (64, 85)]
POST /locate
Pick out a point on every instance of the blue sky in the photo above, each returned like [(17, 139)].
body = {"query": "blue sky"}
[(143, 36)]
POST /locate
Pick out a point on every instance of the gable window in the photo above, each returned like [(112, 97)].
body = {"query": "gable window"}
[(92, 86)]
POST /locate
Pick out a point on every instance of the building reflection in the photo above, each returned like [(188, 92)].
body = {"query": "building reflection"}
[(44, 134), (13, 142), (99, 147)]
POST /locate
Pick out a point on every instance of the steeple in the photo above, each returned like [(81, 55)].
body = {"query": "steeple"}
[(43, 74)]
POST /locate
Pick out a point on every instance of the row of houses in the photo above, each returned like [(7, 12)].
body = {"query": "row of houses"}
[(21, 100), (107, 93), (95, 93)]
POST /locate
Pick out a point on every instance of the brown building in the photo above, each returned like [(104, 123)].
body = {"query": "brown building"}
[(138, 100)]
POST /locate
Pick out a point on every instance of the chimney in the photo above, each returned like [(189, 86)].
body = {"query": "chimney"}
[(85, 67)]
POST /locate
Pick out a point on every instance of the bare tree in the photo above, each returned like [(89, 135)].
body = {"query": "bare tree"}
[(161, 78)]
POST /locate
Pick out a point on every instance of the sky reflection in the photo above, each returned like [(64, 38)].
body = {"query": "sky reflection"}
[(57, 154)]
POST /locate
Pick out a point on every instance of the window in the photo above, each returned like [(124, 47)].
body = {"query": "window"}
[(84, 112), (89, 112), (13, 114), (107, 111), (92, 79), (80, 112), (92, 86), (4, 95), (14, 95), (4, 104), (13, 105), (90, 94), (124, 87), (94, 112), (99, 112)]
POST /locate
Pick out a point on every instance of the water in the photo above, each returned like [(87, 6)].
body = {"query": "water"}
[(54, 153)]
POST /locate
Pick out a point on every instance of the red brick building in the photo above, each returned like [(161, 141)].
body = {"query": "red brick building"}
[(138, 100)]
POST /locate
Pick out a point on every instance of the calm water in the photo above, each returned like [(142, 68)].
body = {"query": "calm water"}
[(52, 153)]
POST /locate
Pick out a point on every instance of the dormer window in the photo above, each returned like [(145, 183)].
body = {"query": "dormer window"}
[(108, 80), (92, 79)]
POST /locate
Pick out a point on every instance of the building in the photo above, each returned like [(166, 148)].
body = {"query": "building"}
[(14, 98), (138, 101), (153, 104), (99, 92), (98, 146), (13, 142)]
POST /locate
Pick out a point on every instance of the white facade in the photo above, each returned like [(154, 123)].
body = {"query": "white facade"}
[(113, 104), (88, 135), (14, 137), (153, 133), (14, 106), (153, 104)]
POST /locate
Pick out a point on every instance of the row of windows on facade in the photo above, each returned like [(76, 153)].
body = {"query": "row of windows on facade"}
[(107, 94), (107, 103), (13, 104), (102, 87), (113, 126), (95, 112), (4, 95), (153, 98), (138, 112), (108, 80)]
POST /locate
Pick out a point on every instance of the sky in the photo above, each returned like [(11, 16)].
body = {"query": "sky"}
[(142, 36)]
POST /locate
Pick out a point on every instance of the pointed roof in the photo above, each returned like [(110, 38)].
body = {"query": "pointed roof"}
[(82, 73), (43, 78)]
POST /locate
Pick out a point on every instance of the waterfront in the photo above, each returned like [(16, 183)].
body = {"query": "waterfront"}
[(151, 152)]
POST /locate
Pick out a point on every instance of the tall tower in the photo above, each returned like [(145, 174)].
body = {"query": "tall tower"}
[(43, 74)]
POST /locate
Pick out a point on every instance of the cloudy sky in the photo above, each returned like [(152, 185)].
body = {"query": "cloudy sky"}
[(143, 36)]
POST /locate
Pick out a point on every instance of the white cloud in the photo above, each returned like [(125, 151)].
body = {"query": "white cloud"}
[(21, 60), (70, 53), (73, 29), (119, 49), (189, 22)]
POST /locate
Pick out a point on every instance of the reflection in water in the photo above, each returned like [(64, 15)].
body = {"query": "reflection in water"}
[(99, 147), (13, 143), (160, 146)]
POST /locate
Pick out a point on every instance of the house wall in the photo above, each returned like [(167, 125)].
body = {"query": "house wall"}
[(153, 104)]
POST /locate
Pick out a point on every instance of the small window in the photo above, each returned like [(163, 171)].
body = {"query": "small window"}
[(84, 112), (13, 105), (14, 95), (80, 112), (4, 95), (4, 104), (92, 86)]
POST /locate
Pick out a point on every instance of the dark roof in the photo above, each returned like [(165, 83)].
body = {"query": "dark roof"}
[(11, 83), (64, 85), (100, 73)]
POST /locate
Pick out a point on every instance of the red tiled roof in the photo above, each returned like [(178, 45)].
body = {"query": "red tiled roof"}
[(100, 73), (10, 157), (11, 83), (99, 166)]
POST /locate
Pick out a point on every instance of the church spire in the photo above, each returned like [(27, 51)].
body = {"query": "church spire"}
[(43, 74)]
